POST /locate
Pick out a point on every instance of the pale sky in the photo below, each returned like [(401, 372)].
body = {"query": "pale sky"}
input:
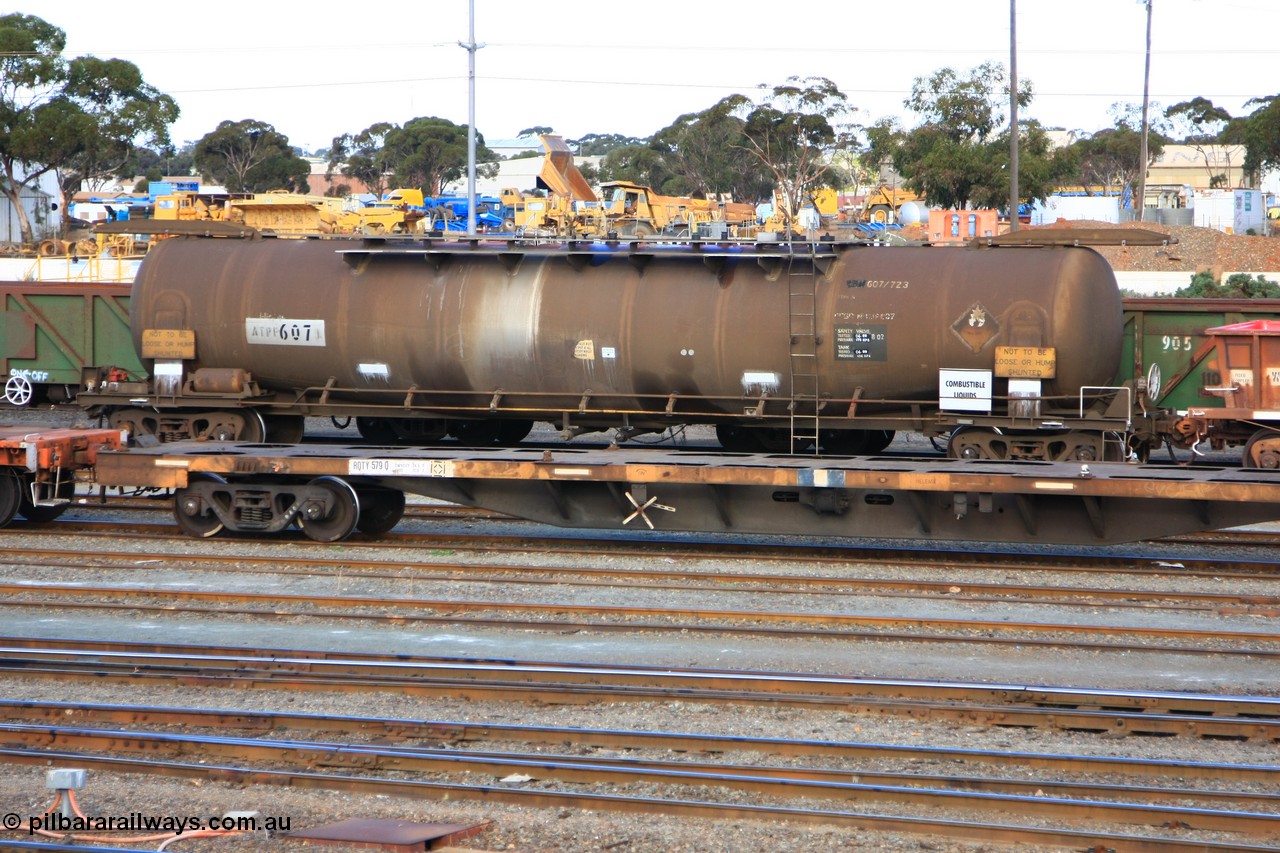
[(319, 70)]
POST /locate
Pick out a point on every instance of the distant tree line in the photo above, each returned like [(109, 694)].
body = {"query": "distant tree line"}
[(89, 120)]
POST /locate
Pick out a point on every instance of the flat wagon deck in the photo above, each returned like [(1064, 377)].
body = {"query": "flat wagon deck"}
[(333, 490)]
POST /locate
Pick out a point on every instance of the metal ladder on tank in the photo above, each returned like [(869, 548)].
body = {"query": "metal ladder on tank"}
[(802, 310)]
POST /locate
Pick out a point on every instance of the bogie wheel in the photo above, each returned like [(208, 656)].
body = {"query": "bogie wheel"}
[(192, 511), (879, 439), (777, 440), (855, 442), (971, 443), (18, 390), (246, 425), (339, 519), (41, 514), (10, 496), (844, 442), (418, 431), (380, 510), (377, 430), (1262, 450), (737, 439), (476, 433), (255, 428), (511, 433), (284, 429)]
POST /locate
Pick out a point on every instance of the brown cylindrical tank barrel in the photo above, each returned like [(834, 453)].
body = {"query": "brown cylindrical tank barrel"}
[(296, 313)]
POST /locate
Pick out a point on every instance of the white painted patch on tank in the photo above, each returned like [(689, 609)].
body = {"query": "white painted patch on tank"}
[(374, 371), (760, 381), (497, 340)]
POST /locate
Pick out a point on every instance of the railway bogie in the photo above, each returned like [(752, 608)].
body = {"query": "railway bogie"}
[(327, 508)]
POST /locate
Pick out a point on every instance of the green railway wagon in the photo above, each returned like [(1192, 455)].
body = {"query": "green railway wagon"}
[(1169, 335), (51, 331)]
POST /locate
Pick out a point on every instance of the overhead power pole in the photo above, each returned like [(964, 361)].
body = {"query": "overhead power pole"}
[(1013, 115), (1141, 201), (471, 48)]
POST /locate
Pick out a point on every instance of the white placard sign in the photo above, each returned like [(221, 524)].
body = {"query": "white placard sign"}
[(280, 331), (964, 390)]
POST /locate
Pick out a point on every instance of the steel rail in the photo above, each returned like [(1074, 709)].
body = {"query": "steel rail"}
[(713, 581), (563, 626), (732, 618), (1141, 712), (776, 782), (423, 789), (616, 739), (1135, 564)]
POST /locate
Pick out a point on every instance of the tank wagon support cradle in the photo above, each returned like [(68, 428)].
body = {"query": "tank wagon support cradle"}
[(332, 491)]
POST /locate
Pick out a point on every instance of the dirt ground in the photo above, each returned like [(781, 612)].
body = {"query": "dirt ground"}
[(1195, 249)]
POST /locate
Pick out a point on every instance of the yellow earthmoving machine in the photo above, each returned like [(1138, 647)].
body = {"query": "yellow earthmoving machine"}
[(563, 210), (286, 212), (883, 204), (185, 205), (397, 212), (634, 210)]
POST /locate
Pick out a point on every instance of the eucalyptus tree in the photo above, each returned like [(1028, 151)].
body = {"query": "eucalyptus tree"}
[(82, 119)]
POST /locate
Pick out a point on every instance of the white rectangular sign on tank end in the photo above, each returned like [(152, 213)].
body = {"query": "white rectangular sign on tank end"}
[(281, 331), (964, 390)]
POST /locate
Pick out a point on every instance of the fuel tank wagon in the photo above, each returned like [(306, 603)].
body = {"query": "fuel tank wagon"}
[(780, 346)]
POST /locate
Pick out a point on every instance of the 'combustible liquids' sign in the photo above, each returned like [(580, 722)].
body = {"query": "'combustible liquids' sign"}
[(964, 390)]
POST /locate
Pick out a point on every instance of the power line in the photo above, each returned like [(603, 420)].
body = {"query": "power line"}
[(647, 84)]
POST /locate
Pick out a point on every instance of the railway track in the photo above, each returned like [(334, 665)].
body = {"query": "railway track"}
[(1121, 712), (710, 810), (565, 617), (692, 579), (1262, 563), (359, 766), (509, 585)]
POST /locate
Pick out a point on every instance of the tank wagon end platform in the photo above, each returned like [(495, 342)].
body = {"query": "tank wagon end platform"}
[(333, 490)]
